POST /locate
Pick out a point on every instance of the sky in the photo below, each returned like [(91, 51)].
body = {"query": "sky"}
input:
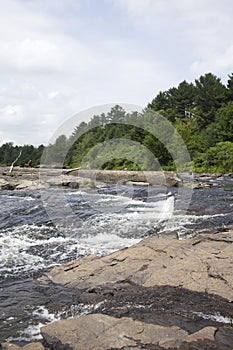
[(60, 57)]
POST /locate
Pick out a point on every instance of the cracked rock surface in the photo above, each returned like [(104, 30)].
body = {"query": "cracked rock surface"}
[(202, 264), (161, 293)]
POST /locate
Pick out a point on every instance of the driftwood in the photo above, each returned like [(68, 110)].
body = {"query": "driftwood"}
[(12, 164), (28, 164)]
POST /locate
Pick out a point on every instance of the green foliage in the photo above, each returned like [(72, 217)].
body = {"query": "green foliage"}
[(200, 112), (196, 115), (217, 159), (121, 143), (210, 95), (224, 122), (206, 124), (230, 88), (30, 155)]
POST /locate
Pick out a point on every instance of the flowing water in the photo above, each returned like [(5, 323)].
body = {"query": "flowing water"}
[(30, 241)]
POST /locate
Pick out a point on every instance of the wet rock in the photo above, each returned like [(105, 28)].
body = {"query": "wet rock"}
[(160, 282), (202, 264), (225, 336), (165, 306), (71, 184), (8, 186), (201, 185)]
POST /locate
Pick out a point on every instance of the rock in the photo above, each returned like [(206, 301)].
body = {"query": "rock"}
[(8, 346), (31, 178), (225, 336), (31, 346), (71, 184), (204, 333), (101, 332), (137, 183), (158, 178), (141, 292), (8, 187), (26, 184), (202, 264), (3, 182), (201, 185)]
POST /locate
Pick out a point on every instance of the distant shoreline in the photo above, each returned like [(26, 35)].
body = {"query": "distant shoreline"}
[(37, 178)]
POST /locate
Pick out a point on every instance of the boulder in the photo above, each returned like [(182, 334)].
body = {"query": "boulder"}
[(26, 184), (8, 186)]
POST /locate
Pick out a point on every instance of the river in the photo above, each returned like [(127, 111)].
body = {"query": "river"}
[(30, 242)]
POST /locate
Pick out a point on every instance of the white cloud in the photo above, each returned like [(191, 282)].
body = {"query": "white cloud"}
[(12, 114), (53, 94), (31, 55), (197, 30), (58, 57), (214, 62)]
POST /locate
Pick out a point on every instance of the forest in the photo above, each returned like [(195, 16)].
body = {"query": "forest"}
[(201, 112)]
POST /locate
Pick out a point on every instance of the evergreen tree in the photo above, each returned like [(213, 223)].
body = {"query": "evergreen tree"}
[(211, 94), (230, 87)]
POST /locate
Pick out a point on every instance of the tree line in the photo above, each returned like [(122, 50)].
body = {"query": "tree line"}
[(201, 112), (29, 154)]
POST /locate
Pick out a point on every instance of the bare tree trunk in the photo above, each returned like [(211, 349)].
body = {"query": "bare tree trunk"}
[(12, 164)]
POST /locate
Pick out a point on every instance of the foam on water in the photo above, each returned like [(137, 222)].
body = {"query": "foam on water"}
[(216, 317), (29, 248), (32, 332), (100, 223)]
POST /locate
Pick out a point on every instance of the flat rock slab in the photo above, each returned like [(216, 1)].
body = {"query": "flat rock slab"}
[(202, 264), (31, 346), (101, 332)]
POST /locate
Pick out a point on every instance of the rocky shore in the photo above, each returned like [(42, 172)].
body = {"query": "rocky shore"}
[(37, 178), (42, 178), (162, 293)]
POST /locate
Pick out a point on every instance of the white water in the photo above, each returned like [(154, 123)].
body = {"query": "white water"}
[(28, 243), (29, 247)]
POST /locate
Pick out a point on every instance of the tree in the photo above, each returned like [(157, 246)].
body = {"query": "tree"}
[(224, 122), (175, 101), (160, 102), (230, 87), (117, 114), (217, 159), (56, 153), (210, 95)]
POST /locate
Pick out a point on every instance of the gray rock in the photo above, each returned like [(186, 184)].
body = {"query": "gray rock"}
[(101, 332), (31, 346), (202, 264)]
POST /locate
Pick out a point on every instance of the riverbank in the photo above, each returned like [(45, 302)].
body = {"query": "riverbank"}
[(162, 293), (40, 178), (37, 178)]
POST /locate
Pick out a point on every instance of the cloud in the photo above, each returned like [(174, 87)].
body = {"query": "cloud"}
[(12, 114), (59, 57), (31, 55), (199, 30), (217, 62)]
